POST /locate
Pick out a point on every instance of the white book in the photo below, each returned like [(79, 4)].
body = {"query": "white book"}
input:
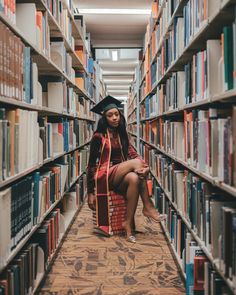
[(26, 21), (179, 140), (58, 54), (36, 138), (207, 278), (64, 175), (34, 100), (21, 140), (5, 225), (213, 7), (213, 57), (221, 75), (58, 140), (181, 89), (39, 94), (69, 202), (40, 150), (56, 96), (221, 123), (180, 190)]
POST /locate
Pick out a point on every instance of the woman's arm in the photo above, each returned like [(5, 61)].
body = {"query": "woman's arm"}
[(94, 155), (132, 154)]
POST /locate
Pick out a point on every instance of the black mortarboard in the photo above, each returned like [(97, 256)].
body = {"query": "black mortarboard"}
[(106, 104)]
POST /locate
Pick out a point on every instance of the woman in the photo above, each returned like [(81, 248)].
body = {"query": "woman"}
[(115, 165)]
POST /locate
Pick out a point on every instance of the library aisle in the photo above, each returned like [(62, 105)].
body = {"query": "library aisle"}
[(91, 264)]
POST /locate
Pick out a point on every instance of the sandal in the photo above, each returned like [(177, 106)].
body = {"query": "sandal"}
[(161, 217), (131, 239)]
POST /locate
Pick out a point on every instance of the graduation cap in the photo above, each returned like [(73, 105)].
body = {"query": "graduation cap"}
[(109, 102)]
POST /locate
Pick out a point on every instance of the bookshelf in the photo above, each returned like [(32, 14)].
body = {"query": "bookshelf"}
[(186, 92), (133, 111), (47, 88)]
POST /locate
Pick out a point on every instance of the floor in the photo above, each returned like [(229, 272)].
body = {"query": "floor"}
[(89, 264)]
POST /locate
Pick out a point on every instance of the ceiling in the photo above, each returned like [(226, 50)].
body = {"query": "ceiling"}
[(113, 32)]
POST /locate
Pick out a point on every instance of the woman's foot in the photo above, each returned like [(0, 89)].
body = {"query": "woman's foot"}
[(153, 215), (130, 237)]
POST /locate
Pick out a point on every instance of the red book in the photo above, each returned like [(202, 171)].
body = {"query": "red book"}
[(149, 185), (199, 273)]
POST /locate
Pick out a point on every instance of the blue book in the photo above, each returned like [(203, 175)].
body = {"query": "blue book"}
[(90, 65), (26, 75), (189, 269), (36, 179), (48, 140)]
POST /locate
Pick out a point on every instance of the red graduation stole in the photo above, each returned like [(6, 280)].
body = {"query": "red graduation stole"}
[(110, 206)]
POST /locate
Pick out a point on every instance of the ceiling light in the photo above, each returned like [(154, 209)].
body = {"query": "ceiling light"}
[(115, 11), (120, 80), (114, 55), (118, 90), (117, 86), (117, 72)]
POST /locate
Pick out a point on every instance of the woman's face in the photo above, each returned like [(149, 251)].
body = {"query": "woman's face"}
[(113, 117)]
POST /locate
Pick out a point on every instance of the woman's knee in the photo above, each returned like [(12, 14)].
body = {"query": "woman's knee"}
[(132, 178), (136, 163)]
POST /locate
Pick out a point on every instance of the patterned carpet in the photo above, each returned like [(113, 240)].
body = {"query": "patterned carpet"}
[(89, 264)]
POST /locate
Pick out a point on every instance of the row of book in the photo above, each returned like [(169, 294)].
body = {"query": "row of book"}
[(84, 82), (205, 140), (203, 77), (194, 15), (59, 10), (39, 31), (20, 78), (8, 8), (17, 60), (132, 128), (62, 135), (28, 267), (15, 65), (60, 97), (133, 116), (19, 145), (201, 278), (195, 199), (28, 140), (25, 203)]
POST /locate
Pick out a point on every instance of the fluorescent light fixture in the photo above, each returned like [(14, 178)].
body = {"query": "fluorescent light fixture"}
[(117, 86), (117, 72), (114, 54), (118, 90), (115, 11), (121, 98), (118, 81)]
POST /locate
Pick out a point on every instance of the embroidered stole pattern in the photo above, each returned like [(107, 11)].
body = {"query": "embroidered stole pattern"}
[(110, 206)]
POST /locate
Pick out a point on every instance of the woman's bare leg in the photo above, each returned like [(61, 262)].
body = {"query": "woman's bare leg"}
[(148, 207), (130, 186), (130, 166), (124, 168)]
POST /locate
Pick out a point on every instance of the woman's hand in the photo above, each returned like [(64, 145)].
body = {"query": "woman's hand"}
[(92, 201), (142, 172)]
